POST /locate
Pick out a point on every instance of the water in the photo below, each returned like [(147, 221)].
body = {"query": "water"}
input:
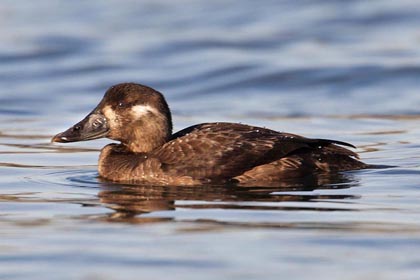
[(332, 69)]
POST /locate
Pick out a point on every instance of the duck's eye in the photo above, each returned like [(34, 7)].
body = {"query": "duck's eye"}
[(121, 105)]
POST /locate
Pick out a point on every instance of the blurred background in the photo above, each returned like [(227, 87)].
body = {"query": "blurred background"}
[(346, 70), (213, 59)]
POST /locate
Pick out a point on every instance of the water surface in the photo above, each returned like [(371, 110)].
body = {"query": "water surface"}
[(347, 71)]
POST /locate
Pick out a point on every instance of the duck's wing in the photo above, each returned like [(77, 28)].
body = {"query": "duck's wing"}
[(225, 150)]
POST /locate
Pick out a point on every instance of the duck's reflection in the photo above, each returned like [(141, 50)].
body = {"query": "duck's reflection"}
[(129, 201)]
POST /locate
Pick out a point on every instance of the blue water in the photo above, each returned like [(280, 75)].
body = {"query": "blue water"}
[(346, 70)]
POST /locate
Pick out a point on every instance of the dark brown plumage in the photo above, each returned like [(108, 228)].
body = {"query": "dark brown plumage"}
[(139, 118)]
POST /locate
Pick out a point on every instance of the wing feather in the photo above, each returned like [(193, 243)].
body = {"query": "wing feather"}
[(225, 150)]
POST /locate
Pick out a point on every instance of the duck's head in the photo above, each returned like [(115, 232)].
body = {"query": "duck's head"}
[(134, 114)]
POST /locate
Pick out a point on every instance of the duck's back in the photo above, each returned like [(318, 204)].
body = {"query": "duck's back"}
[(225, 151)]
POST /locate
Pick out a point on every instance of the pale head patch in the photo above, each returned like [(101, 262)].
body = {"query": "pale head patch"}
[(139, 111), (109, 113)]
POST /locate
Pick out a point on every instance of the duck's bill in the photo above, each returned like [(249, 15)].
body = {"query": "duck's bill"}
[(92, 127)]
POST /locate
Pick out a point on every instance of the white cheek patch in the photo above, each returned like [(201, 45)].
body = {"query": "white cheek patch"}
[(139, 111), (110, 114)]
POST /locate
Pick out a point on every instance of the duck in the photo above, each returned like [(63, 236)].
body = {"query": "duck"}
[(148, 152)]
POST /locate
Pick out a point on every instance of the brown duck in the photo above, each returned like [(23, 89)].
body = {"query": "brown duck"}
[(139, 118)]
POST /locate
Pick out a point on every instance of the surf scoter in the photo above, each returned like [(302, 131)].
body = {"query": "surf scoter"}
[(139, 118)]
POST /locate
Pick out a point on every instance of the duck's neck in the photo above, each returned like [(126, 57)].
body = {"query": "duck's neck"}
[(149, 136)]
